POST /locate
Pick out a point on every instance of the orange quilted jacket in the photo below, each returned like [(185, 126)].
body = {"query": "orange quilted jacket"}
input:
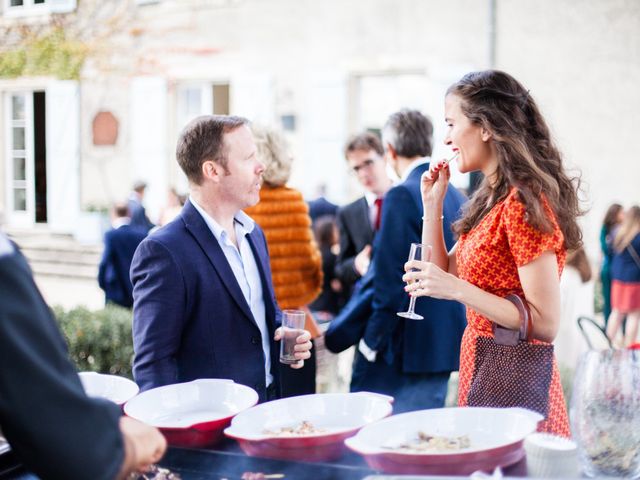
[(296, 264)]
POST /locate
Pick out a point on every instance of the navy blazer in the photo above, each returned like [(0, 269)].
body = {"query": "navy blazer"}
[(139, 215), (347, 328), (423, 346), (190, 318), (113, 273)]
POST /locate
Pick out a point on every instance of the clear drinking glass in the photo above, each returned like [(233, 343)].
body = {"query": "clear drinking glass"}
[(605, 413), (421, 252), (292, 328)]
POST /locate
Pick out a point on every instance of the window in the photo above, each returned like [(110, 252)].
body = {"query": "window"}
[(19, 116), (194, 99), (288, 122), (17, 8)]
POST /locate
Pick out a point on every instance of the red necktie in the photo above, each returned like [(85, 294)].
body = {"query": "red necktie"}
[(378, 217)]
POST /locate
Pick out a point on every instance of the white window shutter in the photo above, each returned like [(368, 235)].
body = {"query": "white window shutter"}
[(324, 114), (149, 152), (62, 6), (63, 154)]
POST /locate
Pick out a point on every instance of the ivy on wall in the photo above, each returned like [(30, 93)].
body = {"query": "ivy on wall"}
[(49, 53)]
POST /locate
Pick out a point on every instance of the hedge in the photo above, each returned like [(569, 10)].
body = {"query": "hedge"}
[(99, 341)]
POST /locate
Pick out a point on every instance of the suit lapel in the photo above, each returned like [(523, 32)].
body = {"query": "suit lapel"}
[(196, 225), (262, 260), (362, 219)]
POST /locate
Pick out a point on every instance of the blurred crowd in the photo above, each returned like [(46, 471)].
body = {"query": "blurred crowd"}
[(500, 273)]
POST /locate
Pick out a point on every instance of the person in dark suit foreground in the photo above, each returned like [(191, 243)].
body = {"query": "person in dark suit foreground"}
[(120, 244), (360, 220), (203, 300), (409, 359), (54, 429)]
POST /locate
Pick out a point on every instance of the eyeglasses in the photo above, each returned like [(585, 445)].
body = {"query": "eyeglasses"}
[(363, 166)]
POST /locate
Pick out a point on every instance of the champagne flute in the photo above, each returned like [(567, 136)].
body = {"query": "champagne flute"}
[(422, 252)]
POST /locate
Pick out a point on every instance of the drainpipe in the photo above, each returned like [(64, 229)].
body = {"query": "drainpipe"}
[(492, 33), (476, 177)]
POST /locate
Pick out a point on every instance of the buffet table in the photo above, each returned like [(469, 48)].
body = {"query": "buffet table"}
[(227, 461)]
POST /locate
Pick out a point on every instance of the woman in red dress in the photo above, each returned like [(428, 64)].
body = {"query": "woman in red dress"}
[(514, 233)]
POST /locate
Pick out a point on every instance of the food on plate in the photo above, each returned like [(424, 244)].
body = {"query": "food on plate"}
[(155, 473), (433, 443), (304, 428), (260, 476)]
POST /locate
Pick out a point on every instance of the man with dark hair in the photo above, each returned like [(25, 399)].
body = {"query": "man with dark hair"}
[(120, 244), (358, 221), (409, 359), (204, 305)]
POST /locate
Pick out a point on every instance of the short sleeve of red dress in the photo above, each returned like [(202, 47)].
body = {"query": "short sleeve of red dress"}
[(525, 241)]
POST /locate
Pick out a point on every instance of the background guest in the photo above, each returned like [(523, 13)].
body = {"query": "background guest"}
[(296, 263), (625, 275), (320, 206), (136, 208), (331, 298), (408, 359), (612, 220), (120, 244), (360, 220)]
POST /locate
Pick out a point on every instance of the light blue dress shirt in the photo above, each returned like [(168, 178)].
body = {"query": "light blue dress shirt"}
[(245, 269)]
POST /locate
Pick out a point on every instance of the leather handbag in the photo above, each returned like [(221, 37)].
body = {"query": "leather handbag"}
[(510, 370)]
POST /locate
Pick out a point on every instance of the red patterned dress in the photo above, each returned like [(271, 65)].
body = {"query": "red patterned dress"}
[(488, 256)]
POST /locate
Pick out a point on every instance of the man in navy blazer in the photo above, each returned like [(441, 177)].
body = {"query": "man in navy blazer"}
[(120, 244), (409, 359), (204, 305)]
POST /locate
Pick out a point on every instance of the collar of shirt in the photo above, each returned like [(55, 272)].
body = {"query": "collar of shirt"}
[(370, 197), (412, 167), (119, 222), (244, 223)]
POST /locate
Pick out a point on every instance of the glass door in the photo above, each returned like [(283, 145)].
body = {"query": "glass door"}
[(20, 165)]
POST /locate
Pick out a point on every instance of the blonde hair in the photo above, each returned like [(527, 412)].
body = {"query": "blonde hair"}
[(629, 228), (273, 151)]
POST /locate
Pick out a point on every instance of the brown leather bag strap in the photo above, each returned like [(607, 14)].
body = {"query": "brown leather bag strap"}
[(526, 322)]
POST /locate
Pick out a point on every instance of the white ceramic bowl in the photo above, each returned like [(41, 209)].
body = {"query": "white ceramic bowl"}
[(339, 415), (496, 436), (550, 456), (193, 413), (111, 387)]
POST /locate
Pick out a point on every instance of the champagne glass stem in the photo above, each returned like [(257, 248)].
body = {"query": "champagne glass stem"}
[(412, 305)]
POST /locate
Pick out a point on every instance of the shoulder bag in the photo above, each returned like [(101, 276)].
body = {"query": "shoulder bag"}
[(509, 370)]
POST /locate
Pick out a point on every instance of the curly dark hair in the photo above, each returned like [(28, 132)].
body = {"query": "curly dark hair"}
[(527, 156)]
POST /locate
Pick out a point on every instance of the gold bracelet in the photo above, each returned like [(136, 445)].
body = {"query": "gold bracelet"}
[(429, 219)]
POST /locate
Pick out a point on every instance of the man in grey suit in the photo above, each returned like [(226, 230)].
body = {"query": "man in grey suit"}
[(358, 221)]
